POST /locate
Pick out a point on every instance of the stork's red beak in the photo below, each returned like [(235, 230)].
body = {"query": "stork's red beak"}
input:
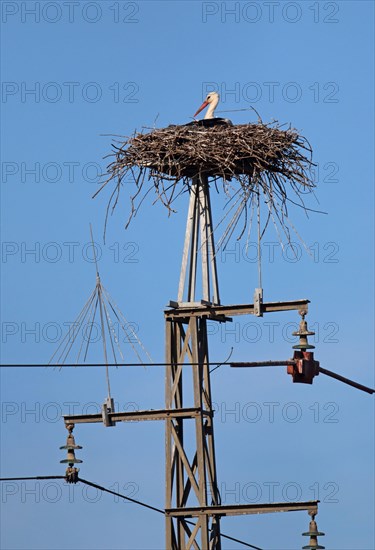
[(204, 104)]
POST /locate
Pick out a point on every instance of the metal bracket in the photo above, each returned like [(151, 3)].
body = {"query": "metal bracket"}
[(107, 408), (258, 301)]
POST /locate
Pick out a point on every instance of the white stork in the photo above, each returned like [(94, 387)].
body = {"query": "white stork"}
[(209, 120), (212, 100)]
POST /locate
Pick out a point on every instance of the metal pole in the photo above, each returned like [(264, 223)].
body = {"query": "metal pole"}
[(199, 224), (190, 478)]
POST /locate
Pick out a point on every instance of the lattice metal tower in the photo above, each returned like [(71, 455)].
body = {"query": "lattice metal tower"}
[(191, 481), (191, 477)]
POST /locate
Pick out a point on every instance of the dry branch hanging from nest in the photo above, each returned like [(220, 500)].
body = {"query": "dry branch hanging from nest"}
[(253, 160)]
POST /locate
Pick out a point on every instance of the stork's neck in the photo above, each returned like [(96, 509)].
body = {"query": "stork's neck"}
[(211, 109)]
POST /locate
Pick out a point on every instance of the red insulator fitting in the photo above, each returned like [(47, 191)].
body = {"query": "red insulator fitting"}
[(303, 367)]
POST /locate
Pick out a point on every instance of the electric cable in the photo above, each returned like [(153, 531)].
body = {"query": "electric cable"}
[(115, 493)]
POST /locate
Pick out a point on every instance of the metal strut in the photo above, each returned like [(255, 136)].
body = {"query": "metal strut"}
[(199, 227), (190, 480)]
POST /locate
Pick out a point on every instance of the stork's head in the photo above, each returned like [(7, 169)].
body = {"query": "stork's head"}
[(212, 100)]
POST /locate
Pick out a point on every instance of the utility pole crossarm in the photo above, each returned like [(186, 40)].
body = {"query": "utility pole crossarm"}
[(210, 311), (310, 506), (136, 416)]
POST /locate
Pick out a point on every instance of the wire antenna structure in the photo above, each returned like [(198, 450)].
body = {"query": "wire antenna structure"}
[(100, 318)]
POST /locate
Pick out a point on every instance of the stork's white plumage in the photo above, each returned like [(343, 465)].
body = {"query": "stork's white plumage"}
[(212, 101), (210, 120)]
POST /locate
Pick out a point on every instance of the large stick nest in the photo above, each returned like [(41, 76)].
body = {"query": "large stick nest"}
[(251, 159)]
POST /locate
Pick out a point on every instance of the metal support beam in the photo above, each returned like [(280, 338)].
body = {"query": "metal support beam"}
[(310, 506), (199, 241), (281, 363), (218, 312), (190, 477), (136, 416)]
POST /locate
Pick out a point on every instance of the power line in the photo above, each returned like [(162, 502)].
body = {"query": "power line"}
[(115, 493), (216, 365), (105, 490), (27, 478), (42, 365)]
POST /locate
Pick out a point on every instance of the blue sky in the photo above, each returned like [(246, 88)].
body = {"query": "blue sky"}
[(101, 68)]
